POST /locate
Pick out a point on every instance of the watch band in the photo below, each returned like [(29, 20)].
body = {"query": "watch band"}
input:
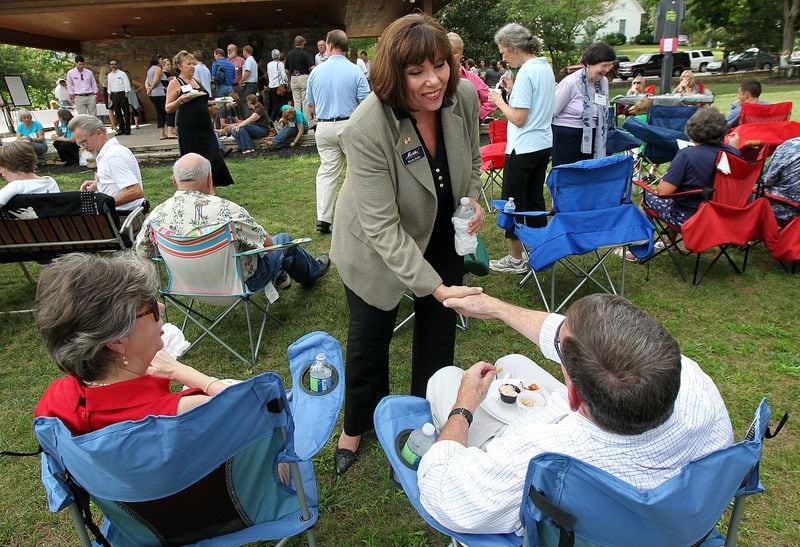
[(463, 412)]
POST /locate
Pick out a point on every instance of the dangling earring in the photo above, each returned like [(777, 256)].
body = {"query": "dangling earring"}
[(124, 362)]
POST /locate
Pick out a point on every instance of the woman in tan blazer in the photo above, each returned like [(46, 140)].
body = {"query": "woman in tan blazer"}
[(412, 151)]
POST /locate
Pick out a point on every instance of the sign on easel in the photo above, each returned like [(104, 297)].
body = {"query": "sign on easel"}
[(16, 88)]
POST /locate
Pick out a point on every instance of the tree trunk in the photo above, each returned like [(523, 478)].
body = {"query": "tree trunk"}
[(791, 9)]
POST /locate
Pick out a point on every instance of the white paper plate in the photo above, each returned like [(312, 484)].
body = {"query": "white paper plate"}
[(505, 412)]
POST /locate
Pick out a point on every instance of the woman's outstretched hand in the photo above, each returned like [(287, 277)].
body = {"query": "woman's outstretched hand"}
[(443, 292)]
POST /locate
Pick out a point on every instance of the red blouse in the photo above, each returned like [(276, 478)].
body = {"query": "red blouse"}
[(84, 409)]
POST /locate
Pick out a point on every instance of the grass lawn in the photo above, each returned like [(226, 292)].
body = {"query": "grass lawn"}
[(741, 329)]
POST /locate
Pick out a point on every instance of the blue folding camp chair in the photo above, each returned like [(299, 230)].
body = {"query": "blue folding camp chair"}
[(569, 502), (593, 507), (618, 140), (209, 476), (592, 214), (665, 126), (396, 416)]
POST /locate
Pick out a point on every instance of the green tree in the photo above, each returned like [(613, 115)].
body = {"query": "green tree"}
[(556, 23), (757, 23), (39, 68), (476, 21)]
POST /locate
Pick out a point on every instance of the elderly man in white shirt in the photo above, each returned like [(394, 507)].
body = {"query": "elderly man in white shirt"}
[(632, 406), (118, 172)]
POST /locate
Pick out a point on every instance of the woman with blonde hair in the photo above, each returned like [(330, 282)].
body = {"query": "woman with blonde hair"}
[(687, 85)]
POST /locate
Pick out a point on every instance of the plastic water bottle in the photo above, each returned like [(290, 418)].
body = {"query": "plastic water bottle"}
[(320, 374), (465, 243), (510, 206), (418, 444)]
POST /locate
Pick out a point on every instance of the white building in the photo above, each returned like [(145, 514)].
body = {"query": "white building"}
[(623, 16)]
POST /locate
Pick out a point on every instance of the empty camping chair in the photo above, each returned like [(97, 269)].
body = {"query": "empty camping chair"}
[(493, 157), (787, 246), (569, 502), (760, 113), (209, 475), (725, 219), (205, 268), (592, 214), (665, 126)]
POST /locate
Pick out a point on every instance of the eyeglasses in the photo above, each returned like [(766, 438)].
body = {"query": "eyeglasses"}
[(557, 341), (112, 64), (153, 309), (637, 83)]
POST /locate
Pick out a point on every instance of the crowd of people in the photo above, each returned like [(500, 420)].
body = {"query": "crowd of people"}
[(408, 123)]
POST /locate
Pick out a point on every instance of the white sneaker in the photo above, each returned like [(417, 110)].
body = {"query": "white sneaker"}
[(509, 264)]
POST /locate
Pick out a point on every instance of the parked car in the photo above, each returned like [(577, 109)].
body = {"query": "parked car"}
[(683, 40), (750, 59), (795, 58), (613, 73), (700, 59), (649, 64)]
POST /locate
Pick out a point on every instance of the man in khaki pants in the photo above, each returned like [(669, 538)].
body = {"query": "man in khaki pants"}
[(298, 65)]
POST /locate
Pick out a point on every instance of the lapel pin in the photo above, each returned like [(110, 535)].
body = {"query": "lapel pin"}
[(407, 140)]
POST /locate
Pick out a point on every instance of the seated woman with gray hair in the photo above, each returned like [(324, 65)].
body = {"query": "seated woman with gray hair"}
[(102, 326), (31, 131), (17, 166), (692, 168)]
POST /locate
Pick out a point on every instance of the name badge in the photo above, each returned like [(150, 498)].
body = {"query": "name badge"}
[(412, 155), (186, 88), (599, 99)]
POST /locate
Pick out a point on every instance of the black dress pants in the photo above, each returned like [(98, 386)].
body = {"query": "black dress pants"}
[(119, 102), (370, 332)]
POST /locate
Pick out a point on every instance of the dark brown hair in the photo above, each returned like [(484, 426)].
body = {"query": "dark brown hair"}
[(409, 40)]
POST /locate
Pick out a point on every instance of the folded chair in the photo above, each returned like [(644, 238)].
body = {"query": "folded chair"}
[(761, 139), (758, 113), (568, 502), (493, 159), (724, 220), (206, 268), (592, 214), (207, 477)]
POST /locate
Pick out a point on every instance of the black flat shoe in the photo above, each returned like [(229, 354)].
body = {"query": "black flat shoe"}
[(323, 227), (343, 459), (393, 479)]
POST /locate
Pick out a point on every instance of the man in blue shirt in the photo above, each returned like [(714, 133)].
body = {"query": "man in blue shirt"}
[(749, 92), (222, 72), (335, 88)]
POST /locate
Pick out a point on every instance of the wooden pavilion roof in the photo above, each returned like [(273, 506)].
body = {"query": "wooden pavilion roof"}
[(64, 24)]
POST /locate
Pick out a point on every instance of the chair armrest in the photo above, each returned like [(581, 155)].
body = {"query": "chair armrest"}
[(127, 226), (644, 186), (499, 204), (276, 247), (314, 414), (697, 191), (782, 200)]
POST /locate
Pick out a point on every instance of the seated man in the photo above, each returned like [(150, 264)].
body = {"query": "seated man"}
[(749, 92), (632, 406), (194, 206), (118, 172), (782, 178)]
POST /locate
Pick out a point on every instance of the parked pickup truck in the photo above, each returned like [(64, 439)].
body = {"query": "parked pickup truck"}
[(649, 64)]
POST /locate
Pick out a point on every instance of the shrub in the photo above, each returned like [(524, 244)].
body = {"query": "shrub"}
[(644, 38), (615, 39)]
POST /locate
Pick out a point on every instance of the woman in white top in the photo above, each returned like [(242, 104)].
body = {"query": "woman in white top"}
[(17, 163), (276, 76), (580, 112)]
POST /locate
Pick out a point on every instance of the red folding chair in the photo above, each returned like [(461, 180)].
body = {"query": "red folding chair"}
[(725, 219), (759, 113), (498, 131), (764, 137), (787, 246)]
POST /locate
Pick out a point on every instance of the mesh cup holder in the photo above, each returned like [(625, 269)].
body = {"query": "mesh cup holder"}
[(305, 381), (399, 443)]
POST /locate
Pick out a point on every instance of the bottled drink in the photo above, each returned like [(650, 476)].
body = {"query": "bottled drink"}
[(418, 444), (320, 374), (465, 243), (510, 206)]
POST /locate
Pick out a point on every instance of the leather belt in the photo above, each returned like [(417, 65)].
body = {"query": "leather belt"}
[(84, 94), (333, 119)]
